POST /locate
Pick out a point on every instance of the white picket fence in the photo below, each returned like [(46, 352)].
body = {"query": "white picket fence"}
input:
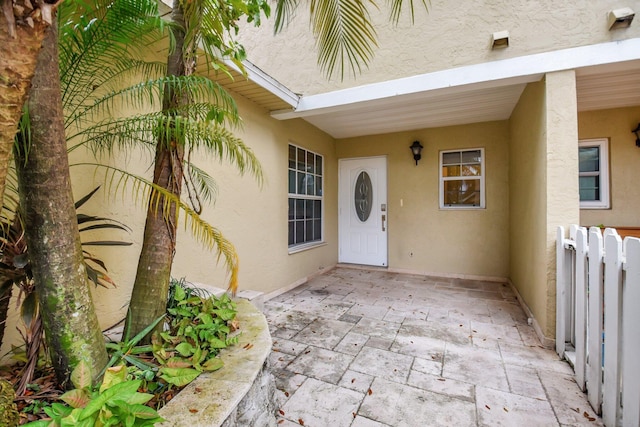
[(598, 318)]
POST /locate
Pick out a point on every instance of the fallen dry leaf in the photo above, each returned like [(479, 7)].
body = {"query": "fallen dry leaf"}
[(281, 411), (286, 393), (505, 410), (354, 414), (487, 406), (300, 421), (576, 410), (198, 389), (192, 410), (353, 380), (370, 392), (280, 421), (441, 379)]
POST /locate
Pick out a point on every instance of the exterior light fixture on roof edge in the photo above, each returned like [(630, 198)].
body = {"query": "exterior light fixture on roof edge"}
[(620, 18), (500, 40), (637, 132), (416, 149)]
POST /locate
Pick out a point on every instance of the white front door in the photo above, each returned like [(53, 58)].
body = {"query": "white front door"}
[(362, 206)]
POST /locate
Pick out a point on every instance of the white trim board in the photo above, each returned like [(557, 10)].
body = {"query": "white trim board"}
[(522, 69)]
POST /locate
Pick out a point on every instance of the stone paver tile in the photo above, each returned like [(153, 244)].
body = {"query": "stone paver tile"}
[(394, 315), (287, 383), (293, 319), (318, 404), (485, 295), (534, 357), (350, 318), (437, 384), (524, 381), (339, 289), (322, 364), (327, 309), (356, 381), (285, 333), (381, 343), (376, 328), (431, 366), (404, 406), (305, 296), (325, 333), (360, 421), (286, 346), (418, 346), (567, 400), (528, 335), (498, 408), (366, 310), (383, 364), (394, 303), (280, 360), (360, 298), (283, 422), (476, 366), (352, 343), (503, 333)]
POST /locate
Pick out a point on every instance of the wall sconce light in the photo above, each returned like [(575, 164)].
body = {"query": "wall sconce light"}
[(500, 40), (637, 132), (416, 149), (620, 18)]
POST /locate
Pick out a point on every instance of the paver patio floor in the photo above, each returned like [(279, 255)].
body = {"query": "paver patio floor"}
[(365, 348)]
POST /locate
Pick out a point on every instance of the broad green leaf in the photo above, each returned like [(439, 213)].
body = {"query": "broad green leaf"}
[(217, 343), (139, 399), (185, 349), (178, 376), (77, 398), (122, 391), (179, 294), (113, 376), (144, 412), (213, 364), (177, 362), (81, 376), (225, 313)]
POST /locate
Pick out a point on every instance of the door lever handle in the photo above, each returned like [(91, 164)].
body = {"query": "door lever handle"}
[(384, 217)]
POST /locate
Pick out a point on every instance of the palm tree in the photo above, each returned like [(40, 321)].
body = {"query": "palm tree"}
[(21, 37), (70, 323), (194, 23)]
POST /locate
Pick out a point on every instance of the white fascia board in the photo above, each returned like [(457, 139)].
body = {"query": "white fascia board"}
[(522, 69), (265, 81)]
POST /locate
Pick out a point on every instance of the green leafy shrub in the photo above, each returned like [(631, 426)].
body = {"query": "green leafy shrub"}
[(199, 328), (116, 402)]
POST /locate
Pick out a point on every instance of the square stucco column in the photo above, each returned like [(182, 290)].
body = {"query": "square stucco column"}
[(563, 199)]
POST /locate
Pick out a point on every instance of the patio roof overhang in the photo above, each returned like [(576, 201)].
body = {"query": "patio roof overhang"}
[(608, 76)]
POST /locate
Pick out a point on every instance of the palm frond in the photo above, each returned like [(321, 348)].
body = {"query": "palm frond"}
[(396, 9), (203, 183), (100, 40), (143, 190), (344, 35), (285, 10)]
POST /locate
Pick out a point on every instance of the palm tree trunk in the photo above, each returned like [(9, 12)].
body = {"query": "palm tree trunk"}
[(6, 289), (19, 47), (71, 326), (151, 286)]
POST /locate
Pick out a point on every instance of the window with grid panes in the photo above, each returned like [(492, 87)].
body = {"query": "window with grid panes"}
[(594, 173), (462, 179), (305, 197)]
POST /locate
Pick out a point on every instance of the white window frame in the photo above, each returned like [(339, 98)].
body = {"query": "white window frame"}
[(481, 178), (605, 201), (297, 247)]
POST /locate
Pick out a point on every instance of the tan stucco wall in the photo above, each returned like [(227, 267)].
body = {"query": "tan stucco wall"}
[(454, 33), (624, 158), (424, 238), (254, 219), (544, 188)]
